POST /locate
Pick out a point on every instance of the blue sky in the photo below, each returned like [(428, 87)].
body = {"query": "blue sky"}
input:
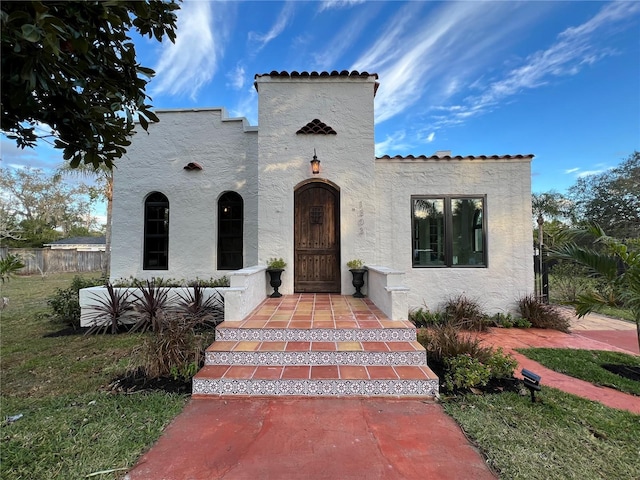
[(560, 80)]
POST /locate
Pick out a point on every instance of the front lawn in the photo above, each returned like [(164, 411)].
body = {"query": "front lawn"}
[(562, 436), (70, 427)]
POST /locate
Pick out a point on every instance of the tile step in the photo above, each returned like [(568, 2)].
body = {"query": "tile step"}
[(316, 380), (401, 334), (252, 353)]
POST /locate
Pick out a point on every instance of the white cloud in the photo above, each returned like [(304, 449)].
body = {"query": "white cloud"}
[(247, 107), (426, 59), (335, 4), (393, 144), (343, 40), (573, 49), (588, 173), (186, 66), (571, 170), (417, 54), (236, 77), (431, 137), (281, 22)]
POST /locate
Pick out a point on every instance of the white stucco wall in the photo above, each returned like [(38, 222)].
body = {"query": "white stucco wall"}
[(226, 149), (265, 167), (507, 186), (347, 160)]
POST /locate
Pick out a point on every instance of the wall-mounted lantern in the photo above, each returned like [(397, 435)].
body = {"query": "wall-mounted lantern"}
[(315, 164)]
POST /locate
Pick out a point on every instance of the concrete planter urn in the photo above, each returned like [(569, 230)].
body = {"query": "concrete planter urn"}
[(357, 272), (275, 267)]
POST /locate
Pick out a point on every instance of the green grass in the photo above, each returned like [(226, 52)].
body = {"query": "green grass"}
[(70, 427), (587, 365), (563, 436)]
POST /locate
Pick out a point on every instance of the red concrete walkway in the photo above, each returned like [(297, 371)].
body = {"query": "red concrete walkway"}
[(312, 438), (615, 340)]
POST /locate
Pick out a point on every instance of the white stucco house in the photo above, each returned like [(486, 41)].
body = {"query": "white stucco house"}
[(202, 195)]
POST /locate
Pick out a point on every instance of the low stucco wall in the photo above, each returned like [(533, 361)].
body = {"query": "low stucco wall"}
[(248, 288)]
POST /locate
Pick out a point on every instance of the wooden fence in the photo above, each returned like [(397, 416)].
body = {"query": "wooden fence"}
[(44, 260)]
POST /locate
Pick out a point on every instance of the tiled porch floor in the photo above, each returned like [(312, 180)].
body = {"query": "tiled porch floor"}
[(313, 310), (316, 344)]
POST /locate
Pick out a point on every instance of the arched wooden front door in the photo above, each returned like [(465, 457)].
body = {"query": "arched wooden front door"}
[(317, 238)]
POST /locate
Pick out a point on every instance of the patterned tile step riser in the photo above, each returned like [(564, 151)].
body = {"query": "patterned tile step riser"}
[(395, 388), (316, 334), (316, 358)]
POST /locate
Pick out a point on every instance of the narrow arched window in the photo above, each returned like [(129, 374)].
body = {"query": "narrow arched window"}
[(156, 232), (230, 222)]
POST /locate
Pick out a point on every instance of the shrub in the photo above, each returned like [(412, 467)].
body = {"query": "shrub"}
[(149, 305), (176, 350), (465, 313), (542, 315), (9, 265), (567, 281), (508, 321), (355, 264), (464, 372), (108, 312), (276, 263), (446, 341), (65, 303), (422, 317), (501, 365), (209, 312)]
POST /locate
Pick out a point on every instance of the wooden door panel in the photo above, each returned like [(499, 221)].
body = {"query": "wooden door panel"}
[(317, 239)]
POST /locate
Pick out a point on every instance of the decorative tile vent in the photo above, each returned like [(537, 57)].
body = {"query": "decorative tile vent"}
[(192, 166), (315, 126)]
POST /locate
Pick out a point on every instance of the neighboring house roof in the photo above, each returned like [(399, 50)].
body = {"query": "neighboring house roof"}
[(80, 241)]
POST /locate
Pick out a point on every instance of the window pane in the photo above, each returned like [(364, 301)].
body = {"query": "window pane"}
[(156, 235), (467, 226), (428, 231), (230, 235)]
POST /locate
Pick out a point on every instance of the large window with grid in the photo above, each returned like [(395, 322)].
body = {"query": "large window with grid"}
[(448, 231), (156, 232)]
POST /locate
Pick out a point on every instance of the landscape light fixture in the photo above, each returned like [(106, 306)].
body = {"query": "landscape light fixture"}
[(532, 382), (315, 164)]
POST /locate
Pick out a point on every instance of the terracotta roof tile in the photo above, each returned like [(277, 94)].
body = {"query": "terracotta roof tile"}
[(314, 74), (457, 157), (317, 127), (334, 73)]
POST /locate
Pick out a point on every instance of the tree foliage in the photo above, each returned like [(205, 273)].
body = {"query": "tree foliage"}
[(615, 262), (611, 199), (38, 208), (72, 66)]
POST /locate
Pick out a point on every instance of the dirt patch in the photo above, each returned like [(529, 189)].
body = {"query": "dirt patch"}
[(137, 381), (626, 371)]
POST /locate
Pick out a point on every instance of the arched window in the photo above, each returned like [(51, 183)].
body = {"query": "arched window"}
[(156, 232), (230, 221)]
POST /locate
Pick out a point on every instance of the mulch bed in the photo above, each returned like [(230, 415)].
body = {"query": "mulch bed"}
[(137, 381), (626, 371)]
